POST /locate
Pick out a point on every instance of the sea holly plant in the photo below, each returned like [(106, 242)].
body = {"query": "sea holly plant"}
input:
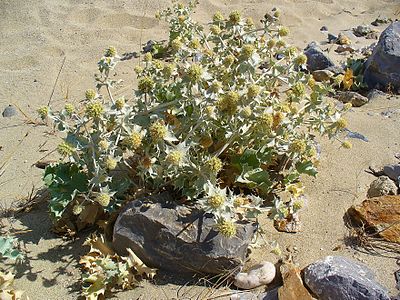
[(226, 119)]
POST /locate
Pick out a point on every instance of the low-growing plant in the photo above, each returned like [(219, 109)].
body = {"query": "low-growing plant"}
[(226, 120)]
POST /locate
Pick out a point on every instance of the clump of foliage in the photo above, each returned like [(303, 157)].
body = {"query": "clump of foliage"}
[(104, 270), (226, 120), (9, 248), (353, 78)]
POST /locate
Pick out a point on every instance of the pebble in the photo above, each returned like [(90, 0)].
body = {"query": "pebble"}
[(322, 75), (324, 28), (345, 48), (382, 186), (9, 111), (362, 30), (258, 275), (354, 98), (332, 38)]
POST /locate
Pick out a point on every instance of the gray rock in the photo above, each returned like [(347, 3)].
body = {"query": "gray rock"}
[(335, 70), (322, 75), (177, 238), (354, 98), (9, 111), (337, 277), (316, 59), (324, 28), (345, 48), (332, 38), (373, 35), (260, 274), (270, 295), (392, 171), (362, 30), (382, 186), (375, 94), (383, 66), (240, 295), (378, 21)]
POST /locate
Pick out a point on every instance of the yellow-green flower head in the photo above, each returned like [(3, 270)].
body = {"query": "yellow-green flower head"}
[(347, 145), (120, 103), (298, 146), (133, 141), (281, 44), (65, 149), (277, 13), (341, 123), (43, 112), (77, 209), (148, 57), (175, 157), (181, 19), (215, 29), (299, 89), (235, 17), (168, 70), (69, 108), (247, 51), (210, 111), (284, 107), (195, 44), (247, 111), (215, 86), (110, 163), (337, 80), (94, 109), (301, 59), (228, 102), (103, 145), (291, 51), (195, 72), (271, 43), (138, 70), (176, 45), (249, 22), (158, 131), (298, 204), (311, 82), (180, 5), (111, 52), (90, 94), (103, 199), (347, 106), (145, 84), (265, 121), (227, 228), (239, 201), (158, 64), (283, 31), (215, 201), (253, 91), (218, 17), (228, 60), (312, 152), (214, 164)]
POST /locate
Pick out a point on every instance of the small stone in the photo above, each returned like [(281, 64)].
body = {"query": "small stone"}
[(149, 46), (382, 186), (343, 39), (324, 28), (375, 94), (354, 98), (9, 111), (336, 70), (270, 295), (337, 277), (240, 295), (322, 75), (381, 215), (362, 30), (379, 21), (293, 287), (392, 171), (258, 275), (316, 59), (373, 35), (345, 48), (332, 38)]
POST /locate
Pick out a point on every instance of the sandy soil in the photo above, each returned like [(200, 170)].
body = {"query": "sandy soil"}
[(36, 36)]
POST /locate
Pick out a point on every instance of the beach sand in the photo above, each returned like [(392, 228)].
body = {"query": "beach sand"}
[(36, 37)]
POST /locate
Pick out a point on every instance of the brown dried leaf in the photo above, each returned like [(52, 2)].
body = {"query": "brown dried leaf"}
[(135, 262)]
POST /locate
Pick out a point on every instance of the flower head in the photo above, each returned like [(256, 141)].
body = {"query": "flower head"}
[(90, 94), (235, 17), (133, 141), (226, 227), (218, 17), (69, 108), (111, 52), (120, 103), (214, 164), (300, 59), (145, 84), (94, 109), (103, 199), (341, 123), (43, 112), (65, 149), (110, 163), (253, 91), (176, 45), (228, 102), (347, 145), (195, 72), (247, 51), (215, 29), (158, 131), (283, 31), (298, 146)]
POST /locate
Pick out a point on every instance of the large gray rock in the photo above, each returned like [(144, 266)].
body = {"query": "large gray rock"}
[(383, 66), (392, 171), (337, 277), (177, 238), (316, 59), (354, 98)]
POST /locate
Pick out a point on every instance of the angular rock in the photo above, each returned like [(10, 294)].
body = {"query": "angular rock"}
[(332, 38), (392, 171), (293, 287), (382, 186), (337, 277), (354, 98), (380, 215), (178, 239), (270, 295), (379, 21), (383, 66), (335, 70), (316, 59), (362, 30), (345, 48), (240, 295), (322, 75), (260, 274), (372, 35), (9, 111), (375, 94)]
